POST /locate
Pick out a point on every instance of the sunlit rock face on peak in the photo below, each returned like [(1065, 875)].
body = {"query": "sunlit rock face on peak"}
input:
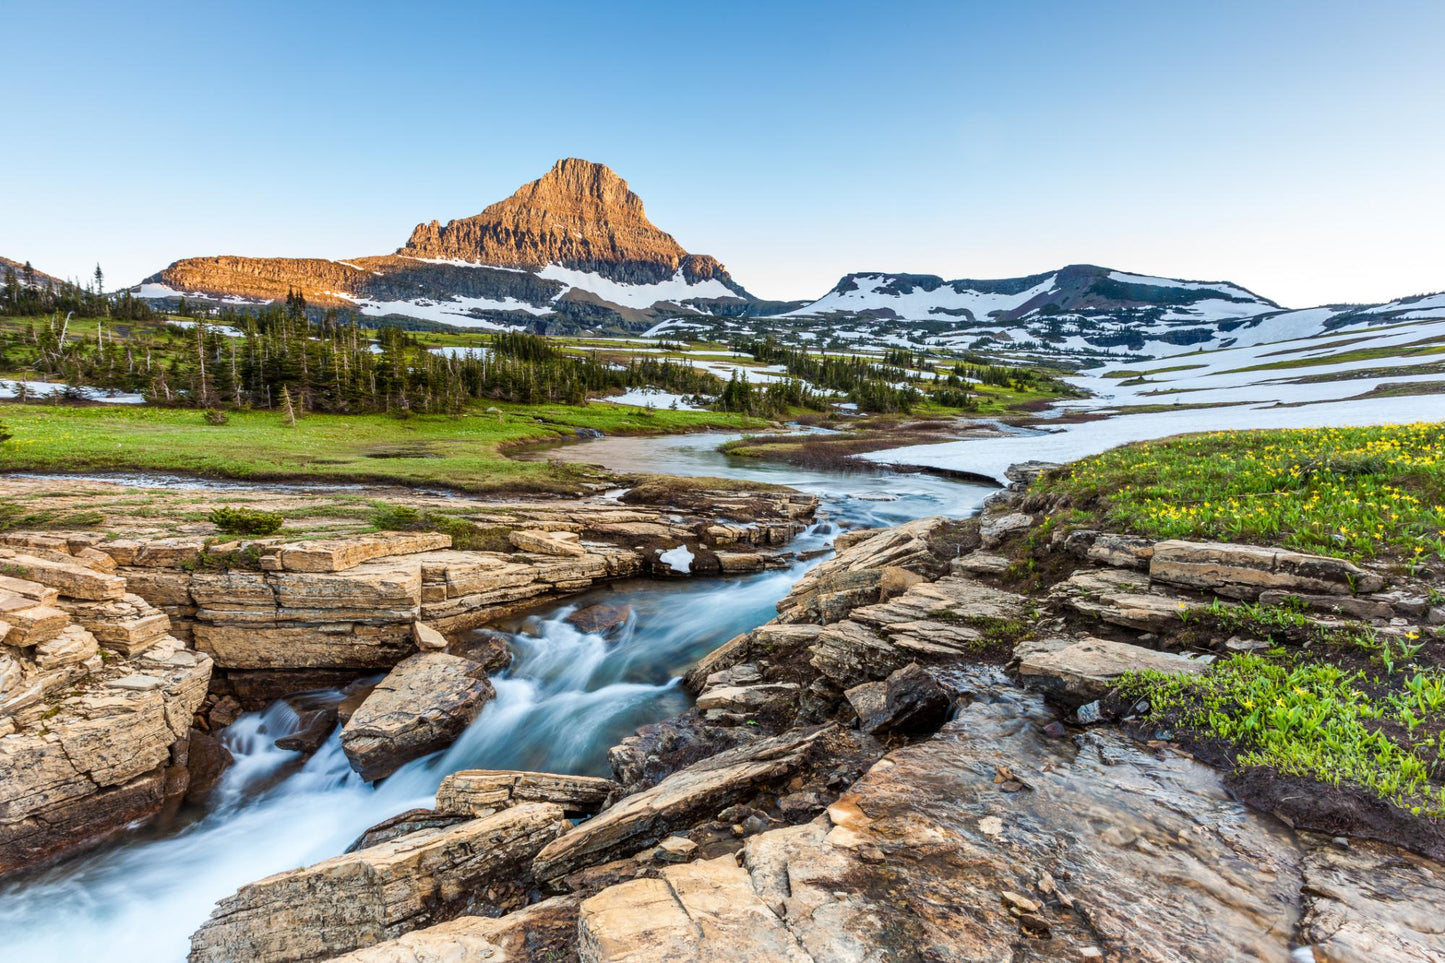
[(579, 215), (572, 250)]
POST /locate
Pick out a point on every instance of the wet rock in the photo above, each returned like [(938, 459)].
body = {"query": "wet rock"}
[(1371, 902), (600, 619), (908, 701), (477, 792), (420, 707), (1079, 672), (207, 759), (1244, 571), (404, 824), (642, 819), (378, 893), (315, 718), (492, 650), (226, 711)]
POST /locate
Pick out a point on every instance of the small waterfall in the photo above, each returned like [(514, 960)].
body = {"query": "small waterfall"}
[(567, 697)]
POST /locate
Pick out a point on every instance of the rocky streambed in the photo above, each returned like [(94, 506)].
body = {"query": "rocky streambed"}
[(916, 758)]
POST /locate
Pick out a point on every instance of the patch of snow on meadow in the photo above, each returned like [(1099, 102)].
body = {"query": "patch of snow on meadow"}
[(10, 390), (652, 398)]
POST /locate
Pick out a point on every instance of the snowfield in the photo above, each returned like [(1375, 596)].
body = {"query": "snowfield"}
[(1330, 389), (651, 398), (677, 288), (918, 304)]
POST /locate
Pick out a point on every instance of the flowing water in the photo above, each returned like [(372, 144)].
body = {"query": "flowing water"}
[(567, 697)]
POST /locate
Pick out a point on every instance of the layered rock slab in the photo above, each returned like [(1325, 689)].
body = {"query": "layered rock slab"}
[(706, 912), (1092, 848), (642, 819), (420, 707), (375, 894)]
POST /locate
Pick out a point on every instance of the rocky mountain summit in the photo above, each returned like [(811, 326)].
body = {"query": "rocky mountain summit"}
[(571, 250), (578, 215)]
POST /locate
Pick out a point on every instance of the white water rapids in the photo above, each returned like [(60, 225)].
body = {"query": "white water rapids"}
[(565, 699)]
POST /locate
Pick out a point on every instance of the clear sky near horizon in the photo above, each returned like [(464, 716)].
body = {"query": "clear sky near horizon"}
[(1292, 147)]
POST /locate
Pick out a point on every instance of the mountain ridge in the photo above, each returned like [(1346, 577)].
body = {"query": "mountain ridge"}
[(571, 250)]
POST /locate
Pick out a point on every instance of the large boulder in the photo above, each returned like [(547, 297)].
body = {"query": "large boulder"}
[(379, 893), (420, 707)]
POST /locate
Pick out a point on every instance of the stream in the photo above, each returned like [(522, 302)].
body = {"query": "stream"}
[(567, 697)]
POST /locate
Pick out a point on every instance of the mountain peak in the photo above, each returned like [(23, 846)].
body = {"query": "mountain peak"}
[(579, 215)]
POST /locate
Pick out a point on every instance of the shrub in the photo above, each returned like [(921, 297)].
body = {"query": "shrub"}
[(4, 433), (246, 521), (214, 416)]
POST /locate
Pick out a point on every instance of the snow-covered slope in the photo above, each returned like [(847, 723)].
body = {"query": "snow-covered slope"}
[(1077, 315)]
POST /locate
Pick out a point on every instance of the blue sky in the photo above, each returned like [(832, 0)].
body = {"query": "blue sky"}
[(1292, 147)]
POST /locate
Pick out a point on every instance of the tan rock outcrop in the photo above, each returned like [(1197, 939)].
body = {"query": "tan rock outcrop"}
[(1243, 571), (420, 707), (340, 554), (643, 819), (379, 893), (476, 792), (707, 912), (1080, 671)]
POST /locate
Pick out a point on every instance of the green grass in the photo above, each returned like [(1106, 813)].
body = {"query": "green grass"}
[(464, 452), (1312, 719), (1358, 493)]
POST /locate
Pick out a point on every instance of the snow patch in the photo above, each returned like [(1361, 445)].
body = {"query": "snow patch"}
[(678, 559)]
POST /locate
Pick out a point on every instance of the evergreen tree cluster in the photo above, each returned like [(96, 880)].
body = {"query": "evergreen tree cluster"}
[(27, 292), (871, 386)]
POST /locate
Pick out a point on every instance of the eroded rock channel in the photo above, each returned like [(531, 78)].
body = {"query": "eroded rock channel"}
[(915, 758)]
